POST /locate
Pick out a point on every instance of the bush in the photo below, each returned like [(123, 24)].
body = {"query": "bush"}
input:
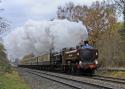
[(111, 48)]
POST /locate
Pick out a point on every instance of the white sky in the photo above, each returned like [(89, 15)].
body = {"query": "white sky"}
[(19, 11)]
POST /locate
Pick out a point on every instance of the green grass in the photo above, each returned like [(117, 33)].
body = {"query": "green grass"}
[(12, 81), (120, 74)]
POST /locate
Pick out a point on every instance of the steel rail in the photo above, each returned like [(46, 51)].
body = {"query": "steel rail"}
[(39, 73), (111, 79)]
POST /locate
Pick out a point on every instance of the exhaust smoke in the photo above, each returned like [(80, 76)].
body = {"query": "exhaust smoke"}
[(38, 37)]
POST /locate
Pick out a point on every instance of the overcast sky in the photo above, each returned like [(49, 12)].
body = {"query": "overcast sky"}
[(19, 11)]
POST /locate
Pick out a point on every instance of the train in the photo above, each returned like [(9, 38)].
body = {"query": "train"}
[(68, 60)]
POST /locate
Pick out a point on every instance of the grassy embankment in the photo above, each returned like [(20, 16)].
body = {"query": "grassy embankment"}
[(119, 74), (12, 81), (9, 78)]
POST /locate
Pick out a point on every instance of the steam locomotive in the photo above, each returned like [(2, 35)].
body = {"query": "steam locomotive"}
[(68, 60)]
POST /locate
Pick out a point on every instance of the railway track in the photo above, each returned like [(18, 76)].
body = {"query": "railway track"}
[(106, 78), (111, 79), (72, 81)]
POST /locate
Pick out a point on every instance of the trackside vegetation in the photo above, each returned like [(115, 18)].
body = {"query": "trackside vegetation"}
[(119, 74), (12, 81), (9, 78)]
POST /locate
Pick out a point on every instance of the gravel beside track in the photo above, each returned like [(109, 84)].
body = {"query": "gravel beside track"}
[(36, 82), (63, 82), (108, 84), (85, 80)]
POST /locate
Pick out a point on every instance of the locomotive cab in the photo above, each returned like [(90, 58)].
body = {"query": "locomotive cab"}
[(70, 56), (56, 58)]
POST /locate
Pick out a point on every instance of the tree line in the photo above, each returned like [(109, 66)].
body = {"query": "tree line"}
[(4, 62)]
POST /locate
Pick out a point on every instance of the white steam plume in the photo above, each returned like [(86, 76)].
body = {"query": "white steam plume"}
[(38, 37)]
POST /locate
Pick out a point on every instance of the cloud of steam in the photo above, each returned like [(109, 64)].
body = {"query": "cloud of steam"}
[(38, 37)]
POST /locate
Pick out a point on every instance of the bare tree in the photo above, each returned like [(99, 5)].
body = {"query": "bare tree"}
[(3, 22), (66, 11), (3, 25), (4, 62), (120, 6)]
